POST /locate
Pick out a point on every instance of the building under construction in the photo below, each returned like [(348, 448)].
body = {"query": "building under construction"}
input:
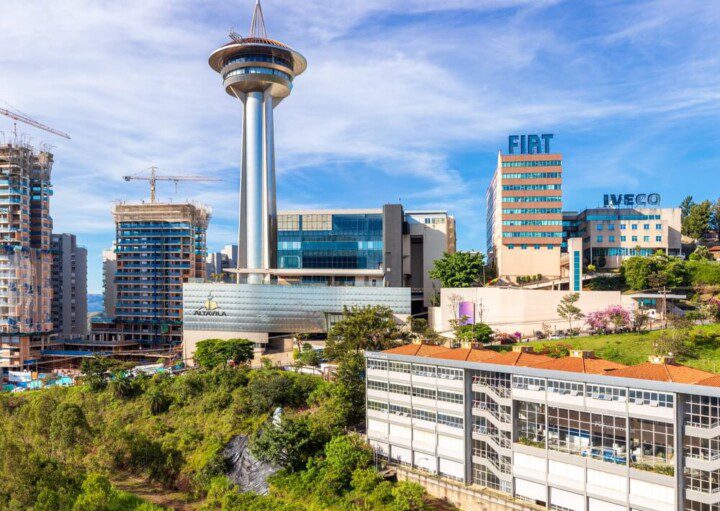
[(158, 247), (25, 254)]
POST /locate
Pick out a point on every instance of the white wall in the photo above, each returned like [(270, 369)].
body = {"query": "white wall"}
[(521, 310)]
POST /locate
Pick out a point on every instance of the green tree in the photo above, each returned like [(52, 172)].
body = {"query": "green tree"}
[(715, 220), (656, 271), (459, 269), (97, 495), (345, 454), (701, 253), (68, 426), (372, 327), (567, 309), (290, 444), (95, 371), (214, 352), (685, 206), (348, 394), (697, 221), (475, 333), (409, 497)]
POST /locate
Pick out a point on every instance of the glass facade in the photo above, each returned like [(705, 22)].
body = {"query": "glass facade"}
[(338, 241)]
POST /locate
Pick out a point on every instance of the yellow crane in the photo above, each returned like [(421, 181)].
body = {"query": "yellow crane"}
[(17, 116), (153, 178)]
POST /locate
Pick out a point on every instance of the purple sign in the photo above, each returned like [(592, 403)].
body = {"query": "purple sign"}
[(466, 313)]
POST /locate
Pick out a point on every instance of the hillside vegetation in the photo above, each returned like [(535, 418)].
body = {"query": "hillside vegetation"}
[(698, 346)]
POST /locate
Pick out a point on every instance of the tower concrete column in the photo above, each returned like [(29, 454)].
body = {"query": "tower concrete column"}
[(254, 180)]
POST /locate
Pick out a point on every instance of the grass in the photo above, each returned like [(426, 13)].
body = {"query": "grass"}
[(634, 348)]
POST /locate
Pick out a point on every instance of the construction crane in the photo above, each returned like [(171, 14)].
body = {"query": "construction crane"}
[(153, 178), (27, 120)]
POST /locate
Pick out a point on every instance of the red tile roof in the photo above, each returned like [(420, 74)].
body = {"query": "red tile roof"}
[(659, 370)]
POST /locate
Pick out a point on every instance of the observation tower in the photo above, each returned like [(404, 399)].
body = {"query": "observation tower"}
[(259, 72)]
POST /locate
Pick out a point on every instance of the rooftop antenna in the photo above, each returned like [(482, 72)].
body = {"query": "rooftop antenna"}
[(257, 26), (236, 37)]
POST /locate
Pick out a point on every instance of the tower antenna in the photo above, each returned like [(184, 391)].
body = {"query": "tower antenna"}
[(257, 26)]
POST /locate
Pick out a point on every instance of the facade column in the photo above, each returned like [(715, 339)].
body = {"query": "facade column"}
[(254, 204)]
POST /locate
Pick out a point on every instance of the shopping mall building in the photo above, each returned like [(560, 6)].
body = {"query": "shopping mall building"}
[(574, 434)]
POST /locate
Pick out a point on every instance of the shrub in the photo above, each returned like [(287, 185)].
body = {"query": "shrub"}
[(215, 352)]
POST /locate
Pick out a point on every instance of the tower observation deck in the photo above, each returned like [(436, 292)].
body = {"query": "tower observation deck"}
[(259, 72)]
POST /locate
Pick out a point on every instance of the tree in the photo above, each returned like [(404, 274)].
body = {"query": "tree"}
[(97, 495), (214, 352), (685, 206), (715, 221), (372, 327), (409, 497), (348, 397), (459, 269), (568, 310), (290, 444), (476, 333), (656, 271), (697, 221), (701, 253), (96, 369)]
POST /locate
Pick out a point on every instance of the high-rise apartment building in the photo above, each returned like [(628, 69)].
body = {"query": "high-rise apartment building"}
[(69, 282), (524, 210), (25, 258), (109, 265), (218, 262), (158, 247)]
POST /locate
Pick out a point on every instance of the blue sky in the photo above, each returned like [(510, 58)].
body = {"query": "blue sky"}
[(403, 100)]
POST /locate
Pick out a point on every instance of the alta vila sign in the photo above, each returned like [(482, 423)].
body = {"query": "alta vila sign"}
[(210, 308)]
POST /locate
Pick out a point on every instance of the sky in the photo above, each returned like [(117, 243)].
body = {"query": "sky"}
[(403, 100)]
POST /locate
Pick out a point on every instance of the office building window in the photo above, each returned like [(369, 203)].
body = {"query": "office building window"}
[(377, 385), (423, 370), (611, 227), (450, 420), (403, 411), (536, 163), (599, 239), (445, 373), (591, 435), (565, 388), (645, 397), (646, 227), (634, 238), (623, 238), (511, 247), (604, 393), (537, 247), (599, 227), (658, 226), (634, 227), (380, 365), (396, 388), (524, 247), (707, 449), (449, 397), (423, 392), (611, 239), (399, 367), (550, 247), (658, 239), (646, 238), (377, 406), (531, 423), (623, 227), (652, 443), (528, 383), (704, 481), (423, 415)]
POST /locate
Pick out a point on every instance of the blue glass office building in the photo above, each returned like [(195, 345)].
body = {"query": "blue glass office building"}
[(352, 241)]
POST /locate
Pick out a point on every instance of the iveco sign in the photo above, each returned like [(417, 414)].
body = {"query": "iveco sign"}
[(631, 199), (529, 144)]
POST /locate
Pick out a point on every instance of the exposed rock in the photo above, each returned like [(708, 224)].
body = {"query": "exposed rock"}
[(245, 471)]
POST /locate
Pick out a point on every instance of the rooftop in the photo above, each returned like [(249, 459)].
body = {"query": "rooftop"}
[(657, 368)]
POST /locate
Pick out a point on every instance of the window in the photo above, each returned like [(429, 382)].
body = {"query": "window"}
[(373, 363), (377, 406), (623, 227), (531, 423), (554, 198), (658, 239), (445, 373), (590, 435), (599, 239), (702, 411), (604, 393), (634, 238), (623, 238), (645, 397), (646, 238), (511, 247), (634, 227), (651, 444), (450, 420), (399, 389), (611, 227), (599, 227), (565, 388), (646, 227), (707, 449), (532, 234), (423, 392), (611, 239), (536, 163), (531, 187), (524, 247), (423, 370), (423, 415), (532, 222), (532, 175), (550, 247), (399, 367), (377, 385), (658, 226), (402, 411), (702, 481), (449, 397), (537, 247), (528, 383)]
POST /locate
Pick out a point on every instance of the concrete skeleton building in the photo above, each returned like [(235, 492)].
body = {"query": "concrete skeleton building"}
[(25, 255), (574, 434), (69, 282), (109, 267), (159, 246)]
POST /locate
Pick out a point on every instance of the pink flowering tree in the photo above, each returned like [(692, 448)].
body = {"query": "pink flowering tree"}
[(615, 315)]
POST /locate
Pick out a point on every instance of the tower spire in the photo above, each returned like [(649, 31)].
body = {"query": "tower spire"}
[(257, 26)]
